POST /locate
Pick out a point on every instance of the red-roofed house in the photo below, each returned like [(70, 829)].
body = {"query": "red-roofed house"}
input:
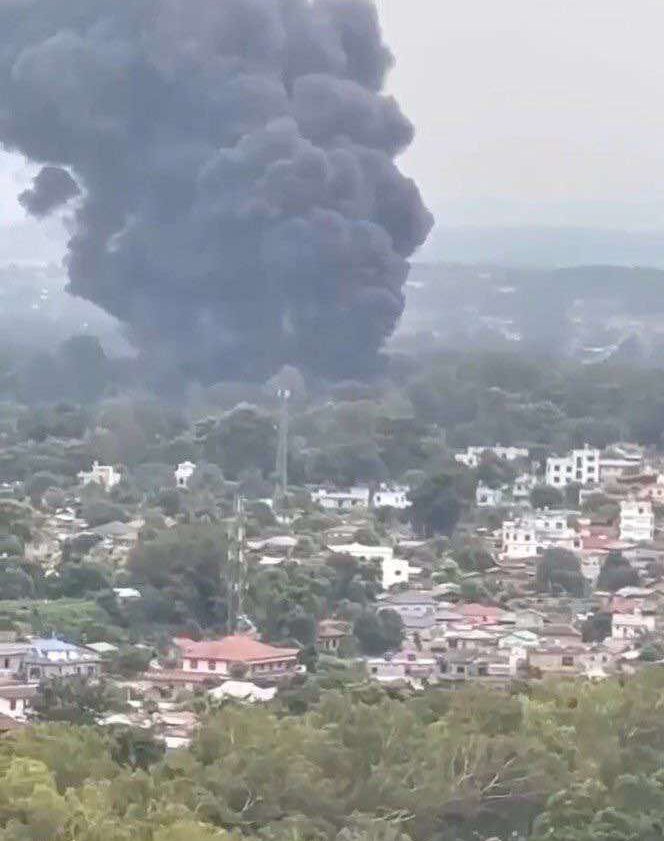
[(480, 614), (218, 657)]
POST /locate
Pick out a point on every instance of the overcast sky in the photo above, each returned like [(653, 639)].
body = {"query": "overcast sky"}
[(527, 112)]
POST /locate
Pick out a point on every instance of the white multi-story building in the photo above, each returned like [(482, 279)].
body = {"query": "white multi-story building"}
[(531, 534), (581, 467), (357, 497), (473, 455), (101, 474), (637, 521), (183, 473), (391, 497)]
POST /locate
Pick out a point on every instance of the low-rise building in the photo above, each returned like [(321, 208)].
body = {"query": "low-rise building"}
[(486, 497), (409, 666), (560, 635), (342, 500), (221, 657), (101, 474), (331, 633), (16, 698), (472, 457), (393, 570), (183, 473), (49, 658), (557, 660), (522, 487), (631, 626), (637, 521), (391, 497)]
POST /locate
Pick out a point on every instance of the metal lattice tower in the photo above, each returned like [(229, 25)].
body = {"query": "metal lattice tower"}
[(282, 447)]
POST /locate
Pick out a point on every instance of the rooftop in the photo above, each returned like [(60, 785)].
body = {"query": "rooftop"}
[(238, 649)]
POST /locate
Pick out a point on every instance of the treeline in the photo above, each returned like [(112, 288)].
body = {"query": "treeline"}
[(568, 761)]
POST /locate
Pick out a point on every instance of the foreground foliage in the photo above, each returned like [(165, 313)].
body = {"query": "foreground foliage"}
[(569, 762)]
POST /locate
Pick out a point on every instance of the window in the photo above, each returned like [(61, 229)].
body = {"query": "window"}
[(7, 663), (212, 666), (12, 704), (461, 670), (374, 670), (483, 670), (568, 660), (193, 664), (557, 468)]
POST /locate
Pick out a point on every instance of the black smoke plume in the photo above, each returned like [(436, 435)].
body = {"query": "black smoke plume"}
[(51, 187), (241, 208)]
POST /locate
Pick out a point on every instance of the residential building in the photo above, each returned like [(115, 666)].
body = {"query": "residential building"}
[(396, 497), (654, 491), (637, 521), (473, 455), (631, 626), (486, 497), (220, 657), (557, 660), (397, 571), (52, 657), (463, 637), (532, 533), (183, 473), (560, 635), (522, 487), (342, 500), (406, 665), (12, 657), (16, 698), (330, 634), (581, 467), (618, 461), (393, 570), (101, 474), (410, 604)]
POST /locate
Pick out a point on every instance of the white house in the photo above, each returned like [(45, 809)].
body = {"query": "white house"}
[(486, 497), (637, 521), (396, 497), (531, 534), (101, 474), (393, 570), (52, 657), (522, 487), (183, 473), (16, 698), (473, 455), (629, 626), (581, 467), (347, 500)]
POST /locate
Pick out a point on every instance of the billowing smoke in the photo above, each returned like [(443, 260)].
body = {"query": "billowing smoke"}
[(240, 208), (51, 187)]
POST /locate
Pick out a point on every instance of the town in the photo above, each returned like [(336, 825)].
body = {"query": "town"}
[(201, 589)]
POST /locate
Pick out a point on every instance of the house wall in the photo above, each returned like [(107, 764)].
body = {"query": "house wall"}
[(14, 707)]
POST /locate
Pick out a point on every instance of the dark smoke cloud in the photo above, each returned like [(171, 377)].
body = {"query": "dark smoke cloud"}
[(51, 188), (241, 206)]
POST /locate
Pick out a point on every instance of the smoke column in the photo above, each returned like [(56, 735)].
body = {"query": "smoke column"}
[(239, 203)]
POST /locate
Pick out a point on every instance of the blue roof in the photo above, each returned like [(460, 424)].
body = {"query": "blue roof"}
[(53, 644)]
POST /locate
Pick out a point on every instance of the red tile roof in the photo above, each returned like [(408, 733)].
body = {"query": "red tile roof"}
[(480, 612), (234, 649)]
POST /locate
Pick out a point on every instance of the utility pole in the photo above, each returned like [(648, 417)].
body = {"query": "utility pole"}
[(236, 566), (281, 491)]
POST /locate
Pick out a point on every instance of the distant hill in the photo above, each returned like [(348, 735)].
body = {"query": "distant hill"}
[(549, 247), (587, 312)]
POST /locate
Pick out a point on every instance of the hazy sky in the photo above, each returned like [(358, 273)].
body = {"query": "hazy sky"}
[(527, 112)]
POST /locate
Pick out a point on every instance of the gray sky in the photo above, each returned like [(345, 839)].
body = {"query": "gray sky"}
[(527, 112)]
